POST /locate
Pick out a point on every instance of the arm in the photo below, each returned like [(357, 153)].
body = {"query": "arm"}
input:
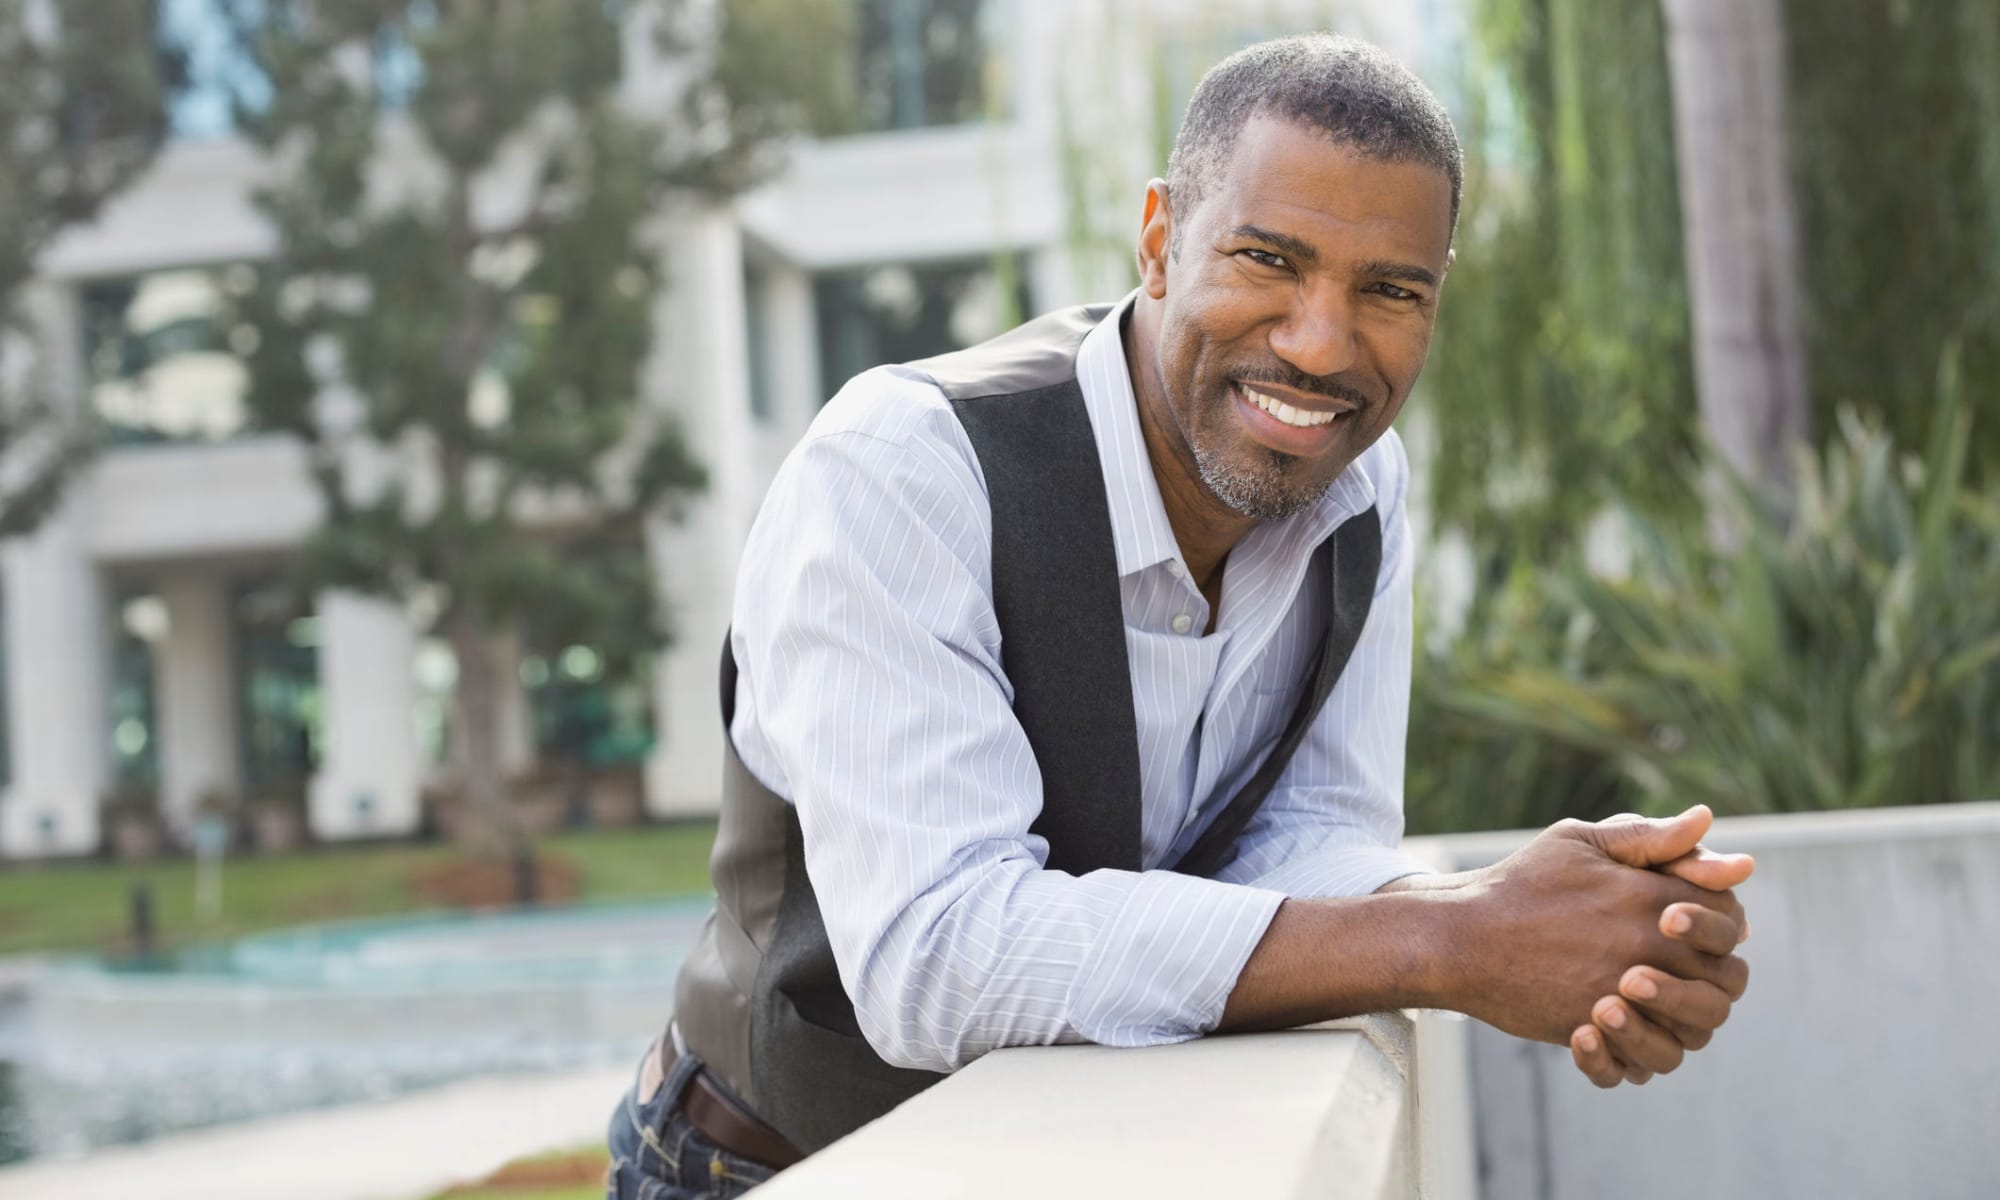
[(873, 699), (1531, 945)]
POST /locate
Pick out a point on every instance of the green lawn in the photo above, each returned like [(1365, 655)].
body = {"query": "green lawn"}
[(85, 906), (563, 1175)]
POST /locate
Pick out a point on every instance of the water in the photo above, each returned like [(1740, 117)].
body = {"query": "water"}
[(101, 1053)]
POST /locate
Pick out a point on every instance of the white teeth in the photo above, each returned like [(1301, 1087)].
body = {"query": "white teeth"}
[(1286, 413)]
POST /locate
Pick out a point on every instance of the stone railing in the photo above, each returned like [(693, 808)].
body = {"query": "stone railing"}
[(1374, 1107)]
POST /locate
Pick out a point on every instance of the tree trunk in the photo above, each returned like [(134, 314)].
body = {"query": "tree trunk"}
[(1727, 59), (488, 828)]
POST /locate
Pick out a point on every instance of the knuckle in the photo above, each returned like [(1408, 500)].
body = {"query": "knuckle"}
[(1738, 973)]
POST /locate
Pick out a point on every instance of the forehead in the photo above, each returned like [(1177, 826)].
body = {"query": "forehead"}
[(1289, 177)]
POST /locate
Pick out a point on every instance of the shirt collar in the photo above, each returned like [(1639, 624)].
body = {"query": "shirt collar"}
[(1139, 528)]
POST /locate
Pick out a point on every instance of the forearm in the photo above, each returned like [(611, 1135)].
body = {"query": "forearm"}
[(1320, 960)]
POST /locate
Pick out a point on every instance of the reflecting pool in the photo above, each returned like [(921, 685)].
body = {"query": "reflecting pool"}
[(96, 1053)]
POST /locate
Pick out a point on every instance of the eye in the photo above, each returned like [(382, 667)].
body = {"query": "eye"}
[(1393, 292), (1264, 258)]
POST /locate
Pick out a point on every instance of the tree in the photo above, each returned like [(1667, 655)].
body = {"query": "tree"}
[(1728, 61), (466, 201), (82, 113)]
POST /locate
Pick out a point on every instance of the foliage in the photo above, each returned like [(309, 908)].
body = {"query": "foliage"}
[(82, 112), (466, 201), (1847, 656), (1467, 770), (1896, 152), (1560, 376)]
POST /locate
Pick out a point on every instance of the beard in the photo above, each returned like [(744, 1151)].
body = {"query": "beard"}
[(1257, 482)]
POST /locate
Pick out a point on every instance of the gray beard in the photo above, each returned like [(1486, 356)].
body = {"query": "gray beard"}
[(1266, 495)]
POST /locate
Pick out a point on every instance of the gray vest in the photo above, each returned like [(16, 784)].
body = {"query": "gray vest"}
[(760, 999)]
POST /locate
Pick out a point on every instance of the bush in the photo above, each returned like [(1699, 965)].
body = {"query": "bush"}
[(1845, 655)]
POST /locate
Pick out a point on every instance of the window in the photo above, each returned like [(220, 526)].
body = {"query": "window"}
[(218, 73), (278, 699), (898, 312), (141, 624), (158, 365), (921, 63)]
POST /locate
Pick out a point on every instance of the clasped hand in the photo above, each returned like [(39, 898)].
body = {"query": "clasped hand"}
[(1656, 945)]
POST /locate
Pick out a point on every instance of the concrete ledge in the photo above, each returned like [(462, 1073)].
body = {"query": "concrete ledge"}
[(1311, 1112)]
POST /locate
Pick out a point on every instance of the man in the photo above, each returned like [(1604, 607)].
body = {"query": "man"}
[(1069, 677)]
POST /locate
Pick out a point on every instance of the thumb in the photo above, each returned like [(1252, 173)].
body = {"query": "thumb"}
[(1651, 842)]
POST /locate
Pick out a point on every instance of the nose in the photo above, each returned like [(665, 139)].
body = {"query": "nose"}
[(1316, 335)]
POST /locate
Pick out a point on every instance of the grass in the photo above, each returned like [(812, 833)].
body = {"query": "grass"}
[(85, 906), (563, 1175)]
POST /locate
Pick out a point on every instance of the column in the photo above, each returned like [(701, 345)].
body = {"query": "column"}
[(56, 714), (700, 363), (371, 777), (195, 690)]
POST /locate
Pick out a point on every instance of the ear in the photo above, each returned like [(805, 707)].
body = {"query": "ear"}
[(1156, 231)]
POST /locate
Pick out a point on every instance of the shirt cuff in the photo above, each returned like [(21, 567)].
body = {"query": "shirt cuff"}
[(1165, 965)]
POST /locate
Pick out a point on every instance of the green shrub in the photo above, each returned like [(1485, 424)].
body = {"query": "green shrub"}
[(1847, 655)]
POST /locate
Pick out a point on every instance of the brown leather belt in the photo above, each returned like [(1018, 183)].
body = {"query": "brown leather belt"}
[(722, 1119)]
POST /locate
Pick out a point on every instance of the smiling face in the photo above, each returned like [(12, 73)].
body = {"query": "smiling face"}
[(1282, 334)]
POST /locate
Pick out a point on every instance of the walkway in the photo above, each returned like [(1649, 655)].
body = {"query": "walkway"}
[(402, 1149)]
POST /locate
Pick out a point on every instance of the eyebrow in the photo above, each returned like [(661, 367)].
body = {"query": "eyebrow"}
[(1301, 251), (1407, 272)]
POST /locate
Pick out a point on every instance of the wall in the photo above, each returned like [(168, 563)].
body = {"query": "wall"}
[(1860, 1062)]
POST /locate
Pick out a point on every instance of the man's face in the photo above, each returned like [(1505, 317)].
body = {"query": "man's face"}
[(1296, 310)]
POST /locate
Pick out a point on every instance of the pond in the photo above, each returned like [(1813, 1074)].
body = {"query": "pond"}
[(97, 1053)]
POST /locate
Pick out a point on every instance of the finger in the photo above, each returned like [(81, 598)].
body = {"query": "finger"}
[(1691, 1010), (1635, 1038), (1652, 843), (1724, 902), (1593, 1057), (1707, 869), (1704, 929)]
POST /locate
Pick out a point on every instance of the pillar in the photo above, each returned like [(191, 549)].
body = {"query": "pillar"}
[(371, 776), (700, 364), (56, 712), (195, 696)]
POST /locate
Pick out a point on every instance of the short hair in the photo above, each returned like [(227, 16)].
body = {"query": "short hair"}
[(1344, 88)]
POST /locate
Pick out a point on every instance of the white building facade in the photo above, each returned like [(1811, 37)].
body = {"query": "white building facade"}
[(153, 652)]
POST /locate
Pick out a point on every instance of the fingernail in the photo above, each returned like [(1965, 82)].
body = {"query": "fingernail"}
[(1614, 1016), (1588, 1040), (1744, 935), (1680, 922), (1641, 987)]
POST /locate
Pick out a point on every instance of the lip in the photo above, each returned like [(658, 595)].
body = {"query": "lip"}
[(1290, 439)]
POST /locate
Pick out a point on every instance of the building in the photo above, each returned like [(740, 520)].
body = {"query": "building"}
[(152, 652)]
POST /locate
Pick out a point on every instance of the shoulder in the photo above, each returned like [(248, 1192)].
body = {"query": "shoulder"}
[(891, 413), (885, 458)]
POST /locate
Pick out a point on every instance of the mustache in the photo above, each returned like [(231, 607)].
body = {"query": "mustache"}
[(1330, 386)]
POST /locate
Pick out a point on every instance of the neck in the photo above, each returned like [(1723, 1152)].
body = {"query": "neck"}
[(1205, 528)]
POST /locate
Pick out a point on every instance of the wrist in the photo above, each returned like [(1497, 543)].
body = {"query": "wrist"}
[(1454, 942)]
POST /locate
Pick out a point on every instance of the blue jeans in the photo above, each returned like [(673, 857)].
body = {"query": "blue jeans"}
[(657, 1155)]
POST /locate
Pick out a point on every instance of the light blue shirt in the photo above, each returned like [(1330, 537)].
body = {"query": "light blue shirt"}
[(872, 698)]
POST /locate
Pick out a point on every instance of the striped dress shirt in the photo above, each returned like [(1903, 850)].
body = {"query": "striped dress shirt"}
[(872, 698)]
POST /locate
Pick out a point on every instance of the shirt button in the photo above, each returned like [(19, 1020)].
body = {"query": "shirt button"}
[(1183, 623), (1175, 568)]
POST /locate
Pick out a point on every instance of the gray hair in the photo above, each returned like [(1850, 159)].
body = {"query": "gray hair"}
[(1346, 89)]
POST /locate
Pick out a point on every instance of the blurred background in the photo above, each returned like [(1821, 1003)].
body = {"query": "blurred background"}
[(386, 388)]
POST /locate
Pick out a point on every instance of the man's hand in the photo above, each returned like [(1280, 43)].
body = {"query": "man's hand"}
[(1654, 1018), (1555, 928)]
